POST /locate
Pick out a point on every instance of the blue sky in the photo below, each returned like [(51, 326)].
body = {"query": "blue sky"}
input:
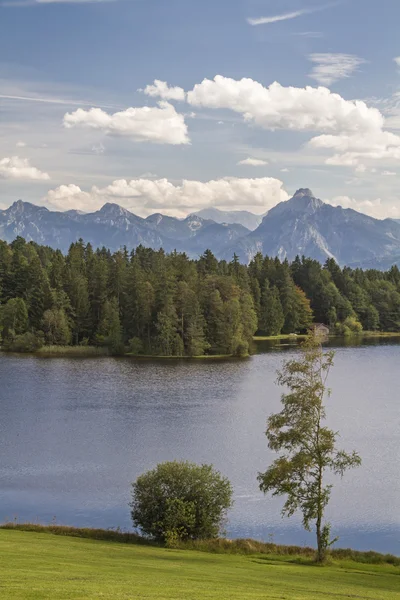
[(236, 141)]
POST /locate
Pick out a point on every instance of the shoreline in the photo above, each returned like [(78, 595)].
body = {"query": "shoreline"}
[(293, 336), (102, 352), (218, 545), (99, 352)]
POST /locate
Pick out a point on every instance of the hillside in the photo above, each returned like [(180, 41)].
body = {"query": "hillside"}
[(114, 227), (304, 225), (47, 567)]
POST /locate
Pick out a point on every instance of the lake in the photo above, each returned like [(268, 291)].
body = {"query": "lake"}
[(75, 433)]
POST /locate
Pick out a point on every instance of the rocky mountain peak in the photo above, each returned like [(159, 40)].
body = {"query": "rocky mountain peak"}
[(304, 200), (304, 192), (20, 207), (111, 209)]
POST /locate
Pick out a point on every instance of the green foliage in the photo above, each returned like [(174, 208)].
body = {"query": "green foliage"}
[(179, 500), (176, 306), (14, 317), (55, 327), (272, 318), (350, 327), (308, 448), (26, 342), (135, 346), (109, 331)]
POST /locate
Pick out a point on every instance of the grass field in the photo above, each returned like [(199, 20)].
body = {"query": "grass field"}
[(41, 566)]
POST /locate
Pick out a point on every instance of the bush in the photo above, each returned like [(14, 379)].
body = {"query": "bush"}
[(350, 327), (26, 342), (180, 500), (136, 346)]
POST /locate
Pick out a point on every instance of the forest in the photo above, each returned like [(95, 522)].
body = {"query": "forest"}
[(148, 302)]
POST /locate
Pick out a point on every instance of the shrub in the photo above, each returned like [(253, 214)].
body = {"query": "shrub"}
[(26, 342), (135, 346), (180, 500), (350, 327)]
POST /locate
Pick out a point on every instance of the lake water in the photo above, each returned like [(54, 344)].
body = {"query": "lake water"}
[(74, 433)]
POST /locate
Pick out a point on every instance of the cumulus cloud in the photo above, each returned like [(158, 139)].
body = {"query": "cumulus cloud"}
[(389, 173), (159, 125), (253, 162), (353, 149), (279, 107), (145, 196), (351, 129), (21, 145), (160, 89), (332, 67), (374, 208), (20, 168), (397, 60)]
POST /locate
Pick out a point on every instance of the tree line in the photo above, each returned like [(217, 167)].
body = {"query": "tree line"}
[(153, 303)]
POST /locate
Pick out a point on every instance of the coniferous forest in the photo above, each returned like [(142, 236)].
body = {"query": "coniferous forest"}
[(150, 303)]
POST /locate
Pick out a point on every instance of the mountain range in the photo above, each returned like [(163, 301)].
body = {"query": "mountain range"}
[(303, 225)]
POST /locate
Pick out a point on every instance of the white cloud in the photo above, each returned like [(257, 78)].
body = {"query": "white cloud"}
[(279, 107), (145, 196), (285, 170), (160, 89), (332, 67), (21, 145), (389, 173), (20, 168), (374, 208), (253, 162), (351, 128), (290, 15), (309, 34), (397, 60), (284, 17), (98, 149), (21, 3), (353, 149), (50, 100), (160, 125)]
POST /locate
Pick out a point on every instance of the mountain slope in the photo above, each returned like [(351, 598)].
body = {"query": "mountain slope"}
[(241, 217), (303, 225), (307, 226), (113, 226)]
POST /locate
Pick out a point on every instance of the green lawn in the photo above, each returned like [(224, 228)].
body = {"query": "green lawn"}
[(43, 566)]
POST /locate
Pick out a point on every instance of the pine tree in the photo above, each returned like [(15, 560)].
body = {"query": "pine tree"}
[(109, 332), (271, 314)]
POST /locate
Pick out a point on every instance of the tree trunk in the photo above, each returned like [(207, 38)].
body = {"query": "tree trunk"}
[(321, 550)]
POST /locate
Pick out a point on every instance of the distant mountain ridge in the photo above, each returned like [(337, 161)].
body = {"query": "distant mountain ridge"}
[(242, 217), (303, 225), (113, 227)]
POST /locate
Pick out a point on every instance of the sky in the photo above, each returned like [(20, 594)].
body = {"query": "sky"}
[(177, 105)]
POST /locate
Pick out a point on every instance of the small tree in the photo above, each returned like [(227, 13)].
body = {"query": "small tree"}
[(14, 318), (179, 500), (109, 332), (309, 447), (55, 327)]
